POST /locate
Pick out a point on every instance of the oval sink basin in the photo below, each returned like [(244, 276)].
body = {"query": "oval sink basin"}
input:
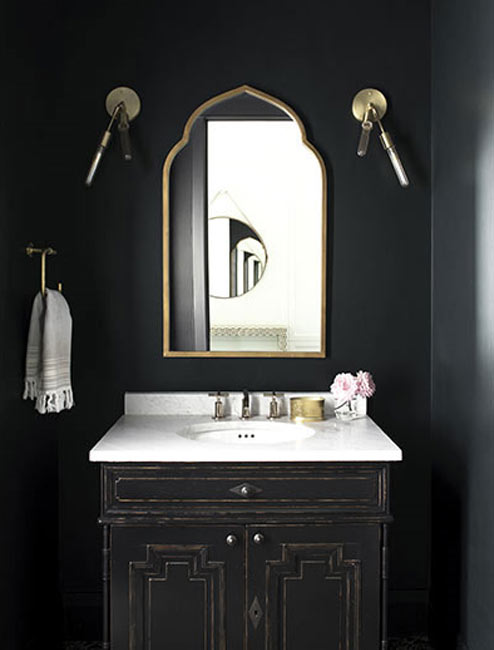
[(243, 432)]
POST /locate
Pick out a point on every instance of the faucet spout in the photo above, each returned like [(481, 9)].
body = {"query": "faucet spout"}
[(245, 405)]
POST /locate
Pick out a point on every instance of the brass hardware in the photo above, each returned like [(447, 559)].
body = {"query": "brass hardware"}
[(124, 95), (219, 409), (123, 104), (366, 97), (369, 105), (245, 490), (245, 405), (307, 409), (231, 540), (274, 407), (167, 351), (258, 538), (30, 250)]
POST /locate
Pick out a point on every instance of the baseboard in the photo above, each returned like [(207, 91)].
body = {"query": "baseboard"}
[(83, 615), (408, 612)]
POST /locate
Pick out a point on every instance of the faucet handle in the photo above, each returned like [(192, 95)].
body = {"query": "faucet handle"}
[(245, 414), (219, 409), (274, 407)]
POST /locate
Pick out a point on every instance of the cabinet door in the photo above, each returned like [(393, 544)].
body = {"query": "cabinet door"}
[(313, 587), (177, 588)]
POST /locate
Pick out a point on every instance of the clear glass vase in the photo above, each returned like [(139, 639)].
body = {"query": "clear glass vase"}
[(353, 408), (344, 411), (359, 406)]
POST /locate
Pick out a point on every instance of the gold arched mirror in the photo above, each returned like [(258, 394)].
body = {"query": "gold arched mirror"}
[(244, 233)]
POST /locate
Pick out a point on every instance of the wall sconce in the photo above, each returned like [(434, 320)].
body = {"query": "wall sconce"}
[(122, 104), (369, 106)]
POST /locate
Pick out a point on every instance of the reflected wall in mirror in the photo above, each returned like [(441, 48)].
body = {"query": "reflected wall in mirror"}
[(244, 250)]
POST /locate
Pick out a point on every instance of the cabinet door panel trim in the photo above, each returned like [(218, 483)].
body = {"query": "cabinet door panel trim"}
[(159, 559), (294, 558)]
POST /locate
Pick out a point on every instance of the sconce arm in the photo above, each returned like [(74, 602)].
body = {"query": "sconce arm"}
[(390, 148), (103, 145)]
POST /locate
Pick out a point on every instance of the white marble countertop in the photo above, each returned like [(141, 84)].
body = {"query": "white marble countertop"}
[(156, 428), (156, 438)]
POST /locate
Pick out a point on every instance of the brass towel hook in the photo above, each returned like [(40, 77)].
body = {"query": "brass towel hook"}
[(30, 250)]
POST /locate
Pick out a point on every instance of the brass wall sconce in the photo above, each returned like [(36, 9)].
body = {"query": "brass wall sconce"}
[(122, 104), (369, 106)]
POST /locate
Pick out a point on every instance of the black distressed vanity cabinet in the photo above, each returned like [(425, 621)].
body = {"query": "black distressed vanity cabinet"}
[(286, 556)]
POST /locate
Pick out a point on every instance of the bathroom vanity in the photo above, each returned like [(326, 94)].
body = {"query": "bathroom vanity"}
[(217, 538)]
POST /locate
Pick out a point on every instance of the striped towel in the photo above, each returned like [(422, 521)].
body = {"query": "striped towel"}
[(48, 354)]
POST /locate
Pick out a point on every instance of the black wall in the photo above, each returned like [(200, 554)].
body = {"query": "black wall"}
[(463, 332), (314, 56), (29, 69)]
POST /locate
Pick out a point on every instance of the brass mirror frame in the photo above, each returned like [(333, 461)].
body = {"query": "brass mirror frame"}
[(167, 352)]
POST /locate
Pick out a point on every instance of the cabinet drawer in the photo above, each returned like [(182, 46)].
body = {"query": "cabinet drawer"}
[(185, 491)]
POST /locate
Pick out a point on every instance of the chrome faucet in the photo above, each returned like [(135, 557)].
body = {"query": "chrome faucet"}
[(219, 408), (245, 405), (274, 406)]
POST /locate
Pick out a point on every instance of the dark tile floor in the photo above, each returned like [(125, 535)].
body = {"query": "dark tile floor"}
[(416, 643)]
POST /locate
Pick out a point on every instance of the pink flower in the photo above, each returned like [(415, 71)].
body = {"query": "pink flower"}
[(365, 384), (344, 387)]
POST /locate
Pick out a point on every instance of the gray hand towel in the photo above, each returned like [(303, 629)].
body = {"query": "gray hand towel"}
[(48, 354)]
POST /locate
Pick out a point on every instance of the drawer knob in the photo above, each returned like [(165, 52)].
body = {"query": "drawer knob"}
[(246, 490), (258, 538), (231, 540)]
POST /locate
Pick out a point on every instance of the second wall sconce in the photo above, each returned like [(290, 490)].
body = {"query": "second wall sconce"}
[(369, 106), (122, 104)]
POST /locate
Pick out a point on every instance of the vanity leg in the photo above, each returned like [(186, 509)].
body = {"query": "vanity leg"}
[(106, 587), (384, 586)]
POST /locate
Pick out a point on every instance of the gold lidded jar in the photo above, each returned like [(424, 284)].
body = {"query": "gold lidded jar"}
[(307, 409)]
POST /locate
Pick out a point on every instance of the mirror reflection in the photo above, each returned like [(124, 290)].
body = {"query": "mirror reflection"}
[(244, 245), (236, 257)]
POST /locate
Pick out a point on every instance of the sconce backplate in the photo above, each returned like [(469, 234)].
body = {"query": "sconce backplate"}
[(365, 97), (126, 95)]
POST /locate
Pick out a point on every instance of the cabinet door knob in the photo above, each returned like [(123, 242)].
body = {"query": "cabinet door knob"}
[(246, 491), (258, 538), (231, 540)]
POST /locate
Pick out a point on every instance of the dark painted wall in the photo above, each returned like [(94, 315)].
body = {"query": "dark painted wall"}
[(31, 608), (314, 56), (463, 331)]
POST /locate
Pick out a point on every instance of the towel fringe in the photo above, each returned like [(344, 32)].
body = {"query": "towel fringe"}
[(48, 402), (30, 389), (55, 401)]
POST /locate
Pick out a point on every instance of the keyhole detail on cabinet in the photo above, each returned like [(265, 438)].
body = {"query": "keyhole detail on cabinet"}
[(255, 612)]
